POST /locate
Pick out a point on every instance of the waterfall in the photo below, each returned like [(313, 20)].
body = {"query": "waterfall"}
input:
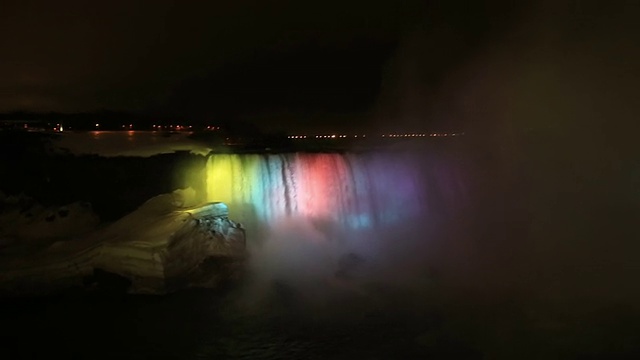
[(352, 191), (308, 213)]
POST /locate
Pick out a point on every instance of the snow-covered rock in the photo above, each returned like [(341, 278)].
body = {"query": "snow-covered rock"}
[(161, 247)]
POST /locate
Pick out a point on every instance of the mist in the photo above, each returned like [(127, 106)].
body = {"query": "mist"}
[(537, 247)]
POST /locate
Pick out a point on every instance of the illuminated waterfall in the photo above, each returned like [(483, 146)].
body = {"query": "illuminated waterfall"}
[(354, 191)]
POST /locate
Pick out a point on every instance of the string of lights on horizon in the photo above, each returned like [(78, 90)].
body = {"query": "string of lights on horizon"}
[(339, 136), (59, 128)]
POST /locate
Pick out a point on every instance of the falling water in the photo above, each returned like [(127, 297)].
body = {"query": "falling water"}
[(305, 205), (310, 215), (353, 191)]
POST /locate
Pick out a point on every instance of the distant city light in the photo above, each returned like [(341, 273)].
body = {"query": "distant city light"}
[(390, 135)]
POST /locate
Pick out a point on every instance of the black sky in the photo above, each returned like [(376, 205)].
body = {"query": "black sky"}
[(78, 55), (203, 57), (278, 63)]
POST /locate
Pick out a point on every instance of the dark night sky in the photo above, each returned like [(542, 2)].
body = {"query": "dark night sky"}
[(282, 64), (78, 55)]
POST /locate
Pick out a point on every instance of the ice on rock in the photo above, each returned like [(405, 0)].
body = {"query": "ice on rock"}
[(164, 245)]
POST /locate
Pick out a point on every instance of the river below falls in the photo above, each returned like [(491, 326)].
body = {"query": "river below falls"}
[(222, 324)]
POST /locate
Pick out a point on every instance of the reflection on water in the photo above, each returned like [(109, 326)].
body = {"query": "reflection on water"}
[(127, 143), (277, 323), (210, 325)]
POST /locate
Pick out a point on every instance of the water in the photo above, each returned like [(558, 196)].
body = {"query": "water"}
[(373, 255), (337, 270), (203, 325), (318, 197), (307, 213), (354, 191), (126, 143)]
